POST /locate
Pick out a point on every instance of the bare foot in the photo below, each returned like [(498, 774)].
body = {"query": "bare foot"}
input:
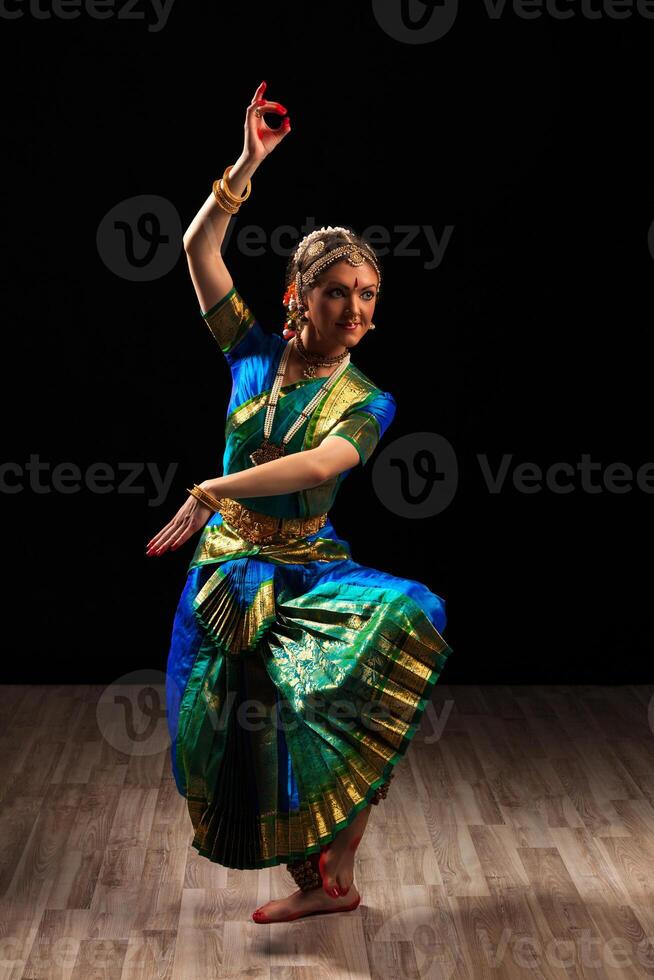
[(302, 902), (337, 866)]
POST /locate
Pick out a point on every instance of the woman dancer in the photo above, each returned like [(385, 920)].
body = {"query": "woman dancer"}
[(337, 659)]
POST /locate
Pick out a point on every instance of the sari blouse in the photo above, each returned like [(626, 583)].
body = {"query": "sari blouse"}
[(354, 408)]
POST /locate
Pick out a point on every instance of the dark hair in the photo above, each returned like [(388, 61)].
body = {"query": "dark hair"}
[(332, 238)]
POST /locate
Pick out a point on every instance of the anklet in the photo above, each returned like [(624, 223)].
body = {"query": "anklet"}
[(305, 873), (381, 791)]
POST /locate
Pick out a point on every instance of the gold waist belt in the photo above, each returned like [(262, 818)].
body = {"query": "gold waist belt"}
[(256, 527)]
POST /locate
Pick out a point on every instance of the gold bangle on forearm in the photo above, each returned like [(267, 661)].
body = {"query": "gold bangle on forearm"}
[(231, 197), (204, 497), (219, 195), (227, 200)]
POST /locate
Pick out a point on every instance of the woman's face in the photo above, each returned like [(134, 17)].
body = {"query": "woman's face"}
[(343, 293)]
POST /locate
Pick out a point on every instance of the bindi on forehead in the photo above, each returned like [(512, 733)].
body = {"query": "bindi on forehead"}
[(356, 282)]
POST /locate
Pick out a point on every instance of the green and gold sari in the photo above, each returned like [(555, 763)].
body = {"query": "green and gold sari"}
[(296, 677)]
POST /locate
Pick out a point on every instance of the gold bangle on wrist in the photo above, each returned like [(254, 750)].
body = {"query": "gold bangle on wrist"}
[(204, 497), (220, 197), (225, 197), (228, 193)]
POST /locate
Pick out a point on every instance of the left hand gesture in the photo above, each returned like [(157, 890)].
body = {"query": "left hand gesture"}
[(190, 517)]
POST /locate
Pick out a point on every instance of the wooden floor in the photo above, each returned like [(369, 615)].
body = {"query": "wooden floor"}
[(517, 841)]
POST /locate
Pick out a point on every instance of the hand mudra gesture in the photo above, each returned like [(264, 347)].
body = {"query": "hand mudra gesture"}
[(260, 139)]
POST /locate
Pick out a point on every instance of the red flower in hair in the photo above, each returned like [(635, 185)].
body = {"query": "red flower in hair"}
[(290, 302)]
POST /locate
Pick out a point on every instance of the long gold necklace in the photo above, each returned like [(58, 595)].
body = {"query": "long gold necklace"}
[(269, 450)]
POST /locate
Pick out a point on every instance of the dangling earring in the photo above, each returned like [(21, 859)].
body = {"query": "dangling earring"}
[(296, 315), (372, 326), (293, 313)]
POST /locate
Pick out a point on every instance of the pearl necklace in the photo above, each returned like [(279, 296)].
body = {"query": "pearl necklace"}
[(268, 450)]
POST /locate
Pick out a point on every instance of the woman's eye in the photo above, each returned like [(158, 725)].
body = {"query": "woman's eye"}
[(337, 289)]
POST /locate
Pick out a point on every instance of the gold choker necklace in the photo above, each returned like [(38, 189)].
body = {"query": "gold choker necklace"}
[(316, 360)]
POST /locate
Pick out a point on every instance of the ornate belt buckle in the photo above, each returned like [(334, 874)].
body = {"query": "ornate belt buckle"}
[(292, 527), (261, 528)]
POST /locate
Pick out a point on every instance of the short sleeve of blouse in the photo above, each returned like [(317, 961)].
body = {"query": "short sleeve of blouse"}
[(233, 326), (365, 425)]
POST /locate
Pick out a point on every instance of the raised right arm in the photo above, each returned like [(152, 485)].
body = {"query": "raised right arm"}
[(204, 236)]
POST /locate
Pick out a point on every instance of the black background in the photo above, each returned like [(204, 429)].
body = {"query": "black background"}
[(529, 136)]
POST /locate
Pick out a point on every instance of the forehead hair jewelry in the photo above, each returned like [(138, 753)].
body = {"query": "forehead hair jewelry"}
[(352, 253)]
